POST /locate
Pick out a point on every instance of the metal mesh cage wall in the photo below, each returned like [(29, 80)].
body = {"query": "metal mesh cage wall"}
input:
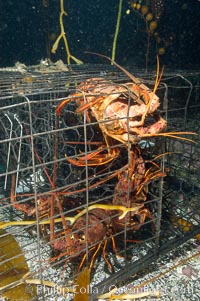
[(42, 191)]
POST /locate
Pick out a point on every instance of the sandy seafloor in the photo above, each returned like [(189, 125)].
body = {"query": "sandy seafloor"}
[(171, 280), (173, 276)]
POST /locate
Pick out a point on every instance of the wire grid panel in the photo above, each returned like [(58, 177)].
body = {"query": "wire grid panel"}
[(38, 183)]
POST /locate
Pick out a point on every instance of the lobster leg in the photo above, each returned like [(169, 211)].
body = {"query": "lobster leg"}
[(93, 257), (110, 267), (65, 102), (19, 206), (89, 104), (96, 158), (115, 248)]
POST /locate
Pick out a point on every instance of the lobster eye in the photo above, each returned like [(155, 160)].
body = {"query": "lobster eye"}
[(81, 236)]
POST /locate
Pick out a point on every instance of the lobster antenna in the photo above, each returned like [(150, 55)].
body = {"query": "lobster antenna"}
[(131, 76), (158, 77)]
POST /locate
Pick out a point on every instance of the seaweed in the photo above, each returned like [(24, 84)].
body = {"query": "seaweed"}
[(13, 270)]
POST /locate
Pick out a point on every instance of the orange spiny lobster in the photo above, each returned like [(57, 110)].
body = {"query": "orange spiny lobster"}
[(125, 113), (93, 231)]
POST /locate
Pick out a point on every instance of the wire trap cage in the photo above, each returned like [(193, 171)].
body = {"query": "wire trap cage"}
[(83, 183)]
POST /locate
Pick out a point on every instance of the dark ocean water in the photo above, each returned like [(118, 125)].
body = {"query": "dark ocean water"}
[(28, 29)]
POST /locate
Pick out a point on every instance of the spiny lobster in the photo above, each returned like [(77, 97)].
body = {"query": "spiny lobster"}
[(93, 230)]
